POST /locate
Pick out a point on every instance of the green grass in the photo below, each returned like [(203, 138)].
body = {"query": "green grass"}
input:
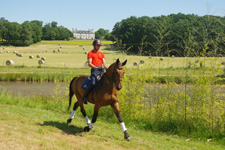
[(72, 58), (40, 123), (75, 42)]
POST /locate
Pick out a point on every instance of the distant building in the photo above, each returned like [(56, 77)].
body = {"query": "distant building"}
[(83, 34)]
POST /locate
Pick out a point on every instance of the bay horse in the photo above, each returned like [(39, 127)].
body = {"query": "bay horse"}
[(105, 93)]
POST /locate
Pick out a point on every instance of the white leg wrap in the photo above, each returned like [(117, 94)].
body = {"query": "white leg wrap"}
[(72, 114), (123, 127), (87, 120), (90, 125)]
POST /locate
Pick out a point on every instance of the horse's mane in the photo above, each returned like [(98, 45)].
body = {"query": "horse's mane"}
[(99, 83)]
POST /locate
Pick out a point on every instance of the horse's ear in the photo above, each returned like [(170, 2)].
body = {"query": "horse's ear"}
[(124, 63), (117, 61)]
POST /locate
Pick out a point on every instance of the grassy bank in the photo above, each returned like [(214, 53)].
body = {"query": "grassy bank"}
[(40, 123), (57, 74), (51, 74)]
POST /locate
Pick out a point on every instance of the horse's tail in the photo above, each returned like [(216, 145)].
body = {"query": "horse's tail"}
[(71, 92)]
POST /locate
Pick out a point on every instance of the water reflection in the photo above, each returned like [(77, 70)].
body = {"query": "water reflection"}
[(40, 89)]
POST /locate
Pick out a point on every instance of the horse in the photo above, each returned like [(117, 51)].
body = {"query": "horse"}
[(104, 94)]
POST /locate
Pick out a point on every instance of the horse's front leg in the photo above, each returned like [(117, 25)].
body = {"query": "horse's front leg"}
[(91, 124), (115, 107)]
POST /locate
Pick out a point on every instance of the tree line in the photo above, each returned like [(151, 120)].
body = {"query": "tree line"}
[(30, 32), (175, 34)]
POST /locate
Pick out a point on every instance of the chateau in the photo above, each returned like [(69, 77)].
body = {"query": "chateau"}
[(83, 34)]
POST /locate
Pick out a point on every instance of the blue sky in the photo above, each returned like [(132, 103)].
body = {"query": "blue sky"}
[(85, 14)]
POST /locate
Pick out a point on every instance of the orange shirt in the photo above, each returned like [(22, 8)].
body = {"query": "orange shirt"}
[(97, 57)]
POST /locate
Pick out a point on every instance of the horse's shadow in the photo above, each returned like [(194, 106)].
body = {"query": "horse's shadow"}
[(68, 129)]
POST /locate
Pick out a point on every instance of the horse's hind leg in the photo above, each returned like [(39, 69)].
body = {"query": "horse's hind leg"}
[(73, 112)]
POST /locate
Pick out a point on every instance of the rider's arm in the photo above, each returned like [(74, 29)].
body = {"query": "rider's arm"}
[(104, 64), (90, 64)]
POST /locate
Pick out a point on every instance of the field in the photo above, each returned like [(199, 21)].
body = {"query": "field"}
[(73, 55), (71, 61), (172, 99), (37, 123)]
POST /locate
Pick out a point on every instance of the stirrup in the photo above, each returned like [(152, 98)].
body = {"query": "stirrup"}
[(84, 99)]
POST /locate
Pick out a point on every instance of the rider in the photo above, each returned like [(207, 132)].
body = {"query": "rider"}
[(96, 60)]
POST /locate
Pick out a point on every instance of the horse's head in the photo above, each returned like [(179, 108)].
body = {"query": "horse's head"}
[(117, 72)]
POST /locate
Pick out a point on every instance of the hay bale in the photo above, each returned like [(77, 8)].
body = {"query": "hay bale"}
[(173, 56), (14, 52), (60, 46), (38, 56), (53, 51), (46, 51), (31, 57), (135, 63), (41, 62), (43, 58), (150, 57), (7, 51), (161, 58), (1, 52), (223, 63), (3, 48), (19, 55), (83, 48), (9, 62), (59, 50), (85, 52), (142, 61)]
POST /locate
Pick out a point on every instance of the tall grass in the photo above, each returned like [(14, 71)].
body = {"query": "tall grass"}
[(193, 110)]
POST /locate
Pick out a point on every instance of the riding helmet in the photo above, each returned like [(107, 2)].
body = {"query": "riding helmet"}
[(96, 42)]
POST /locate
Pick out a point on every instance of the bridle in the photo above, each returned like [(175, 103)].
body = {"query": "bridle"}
[(116, 79)]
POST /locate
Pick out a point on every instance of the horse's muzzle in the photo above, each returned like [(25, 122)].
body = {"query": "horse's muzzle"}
[(118, 88)]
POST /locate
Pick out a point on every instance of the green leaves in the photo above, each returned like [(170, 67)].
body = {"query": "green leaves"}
[(169, 35), (28, 33)]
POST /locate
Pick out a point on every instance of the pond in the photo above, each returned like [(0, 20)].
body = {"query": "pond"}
[(35, 89)]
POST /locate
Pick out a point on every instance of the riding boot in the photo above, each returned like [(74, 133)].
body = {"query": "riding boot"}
[(86, 93)]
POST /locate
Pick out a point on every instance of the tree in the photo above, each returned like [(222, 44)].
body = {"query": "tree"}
[(31, 32), (169, 35), (101, 33), (26, 35), (1, 30), (12, 34), (54, 24), (37, 22)]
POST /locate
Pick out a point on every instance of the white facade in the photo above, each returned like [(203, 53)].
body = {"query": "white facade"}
[(83, 34)]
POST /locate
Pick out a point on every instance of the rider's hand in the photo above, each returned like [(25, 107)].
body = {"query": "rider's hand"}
[(99, 68)]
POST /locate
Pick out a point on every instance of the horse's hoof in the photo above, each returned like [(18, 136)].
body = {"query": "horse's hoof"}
[(126, 136), (86, 129), (69, 121)]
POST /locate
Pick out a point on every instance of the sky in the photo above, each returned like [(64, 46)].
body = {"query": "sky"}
[(96, 14)]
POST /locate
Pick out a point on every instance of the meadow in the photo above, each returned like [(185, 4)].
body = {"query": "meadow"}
[(173, 96), (71, 61), (40, 123)]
